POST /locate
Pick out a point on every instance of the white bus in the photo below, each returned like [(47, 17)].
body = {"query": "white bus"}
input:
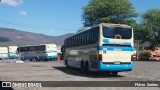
[(38, 52), (105, 47), (12, 52), (3, 52)]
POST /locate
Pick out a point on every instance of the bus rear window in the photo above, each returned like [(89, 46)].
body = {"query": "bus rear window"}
[(117, 32)]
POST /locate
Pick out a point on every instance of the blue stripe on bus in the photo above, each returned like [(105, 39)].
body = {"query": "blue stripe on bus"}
[(46, 52), (115, 67), (115, 48), (41, 57), (106, 41), (127, 43)]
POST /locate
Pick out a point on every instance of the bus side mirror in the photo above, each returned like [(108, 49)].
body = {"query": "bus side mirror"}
[(62, 49)]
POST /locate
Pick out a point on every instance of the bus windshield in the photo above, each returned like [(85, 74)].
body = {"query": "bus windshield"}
[(117, 32)]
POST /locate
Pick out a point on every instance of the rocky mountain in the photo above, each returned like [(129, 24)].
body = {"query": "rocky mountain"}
[(15, 37)]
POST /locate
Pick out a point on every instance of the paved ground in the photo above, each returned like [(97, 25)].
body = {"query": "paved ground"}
[(56, 71)]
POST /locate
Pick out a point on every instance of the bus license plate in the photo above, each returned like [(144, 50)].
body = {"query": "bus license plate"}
[(116, 62)]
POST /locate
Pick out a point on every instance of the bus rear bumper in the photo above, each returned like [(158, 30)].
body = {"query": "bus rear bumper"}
[(115, 67)]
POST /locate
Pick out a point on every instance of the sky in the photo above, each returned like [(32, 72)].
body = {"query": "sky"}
[(52, 17)]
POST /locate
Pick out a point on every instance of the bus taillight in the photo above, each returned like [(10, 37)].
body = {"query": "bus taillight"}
[(100, 57)]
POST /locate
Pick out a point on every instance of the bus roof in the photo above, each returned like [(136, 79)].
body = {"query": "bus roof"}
[(12, 46), (36, 45), (103, 24), (112, 24)]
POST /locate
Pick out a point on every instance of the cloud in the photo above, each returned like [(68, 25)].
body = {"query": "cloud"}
[(24, 13), (12, 2)]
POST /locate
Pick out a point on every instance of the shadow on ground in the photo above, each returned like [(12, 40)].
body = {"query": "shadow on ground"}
[(77, 72)]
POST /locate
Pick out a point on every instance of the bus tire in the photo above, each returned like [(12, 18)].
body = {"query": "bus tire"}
[(114, 73), (37, 59), (66, 63), (82, 66), (22, 58), (86, 68), (45, 59)]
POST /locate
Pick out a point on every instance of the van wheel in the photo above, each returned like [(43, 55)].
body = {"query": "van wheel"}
[(86, 68), (114, 73), (82, 66)]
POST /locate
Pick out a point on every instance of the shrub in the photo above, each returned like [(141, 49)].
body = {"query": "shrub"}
[(144, 55)]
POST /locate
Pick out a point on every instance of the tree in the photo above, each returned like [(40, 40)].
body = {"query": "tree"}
[(150, 26), (108, 11)]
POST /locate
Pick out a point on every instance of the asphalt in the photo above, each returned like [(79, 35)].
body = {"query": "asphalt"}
[(56, 71)]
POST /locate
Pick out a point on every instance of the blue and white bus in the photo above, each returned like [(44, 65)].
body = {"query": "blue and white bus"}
[(105, 47), (38, 52)]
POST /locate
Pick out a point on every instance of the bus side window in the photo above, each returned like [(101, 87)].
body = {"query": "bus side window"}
[(83, 40), (72, 41), (96, 32), (69, 42), (92, 36), (76, 41), (43, 48), (87, 37), (80, 39), (65, 43)]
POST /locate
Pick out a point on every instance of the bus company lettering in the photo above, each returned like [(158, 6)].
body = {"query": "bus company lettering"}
[(14, 84), (116, 43)]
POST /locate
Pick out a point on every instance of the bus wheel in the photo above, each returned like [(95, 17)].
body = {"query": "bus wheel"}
[(82, 66), (30, 59), (22, 58), (114, 73), (66, 63), (86, 68), (36, 58)]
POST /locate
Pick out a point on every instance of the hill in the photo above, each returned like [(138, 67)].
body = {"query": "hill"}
[(15, 37)]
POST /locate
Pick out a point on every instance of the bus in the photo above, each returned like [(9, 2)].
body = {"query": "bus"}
[(12, 52), (105, 47), (38, 52), (3, 52)]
